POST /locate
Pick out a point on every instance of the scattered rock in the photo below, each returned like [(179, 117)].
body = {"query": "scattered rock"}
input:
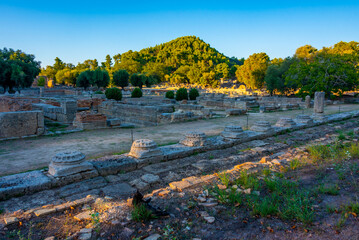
[(10, 220), (50, 238), (221, 186), (256, 193), (83, 216), (150, 178), (247, 191), (43, 212), (208, 204), (209, 219), (203, 213), (85, 234), (153, 237), (201, 199), (265, 159)]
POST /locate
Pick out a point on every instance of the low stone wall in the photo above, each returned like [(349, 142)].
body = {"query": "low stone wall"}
[(65, 113), (9, 104), (21, 124), (146, 152)]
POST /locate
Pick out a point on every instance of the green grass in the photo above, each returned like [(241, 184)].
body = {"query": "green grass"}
[(120, 153), (141, 214), (278, 197), (328, 189)]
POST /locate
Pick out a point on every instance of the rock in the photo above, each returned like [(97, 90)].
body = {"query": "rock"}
[(319, 102), (150, 178), (85, 234), (209, 219), (44, 211), (153, 237), (143, 149), (221, 186), (247, 191), (265, 159), (83, 216), (201, 199), (262, 126), (203, 213), (208, 204), (256, 193), (10, 220), (285, 122), (205, 193), (233, 132), (50, 238), (276, 162)]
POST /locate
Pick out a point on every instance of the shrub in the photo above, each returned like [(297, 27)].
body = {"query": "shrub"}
[(193, 94), (98, 92), (136, 93), (170, 95), (141, 214), (41, 82), (181, 94), (113, 93)]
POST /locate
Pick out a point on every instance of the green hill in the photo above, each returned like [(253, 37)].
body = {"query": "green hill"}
[(183, 60)]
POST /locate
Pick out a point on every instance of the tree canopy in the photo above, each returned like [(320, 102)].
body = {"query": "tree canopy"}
[(17, 69)]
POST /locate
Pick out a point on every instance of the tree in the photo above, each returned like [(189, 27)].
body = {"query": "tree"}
[(331, 73), (120, 78), (275, 76), (252, 72), (84, 79), (306, 52), (100, 78), (136, 80), (17, 69)]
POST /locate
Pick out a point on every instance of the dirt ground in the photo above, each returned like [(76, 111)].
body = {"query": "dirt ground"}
[(34, 153)]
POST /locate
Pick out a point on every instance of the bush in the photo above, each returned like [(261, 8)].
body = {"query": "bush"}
[(181, 94), (170, 95), (136, 93), (193, 94), (98, 92), (41, 82), (113, 93)]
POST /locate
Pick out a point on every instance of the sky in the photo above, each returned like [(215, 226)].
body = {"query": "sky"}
[(78, 30)]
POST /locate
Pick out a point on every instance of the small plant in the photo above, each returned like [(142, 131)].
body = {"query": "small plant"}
[(113, 93), (98, 92), (170, 95), (136, 93), (141, 214), (294, 164), (330, 190), (193, 94), (224, 178), (181, 94), (341, 136)]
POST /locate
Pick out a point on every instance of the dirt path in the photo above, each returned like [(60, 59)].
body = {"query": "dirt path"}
[(33, 153)]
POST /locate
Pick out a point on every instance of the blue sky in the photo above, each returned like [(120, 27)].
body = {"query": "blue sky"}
[(78, 30)]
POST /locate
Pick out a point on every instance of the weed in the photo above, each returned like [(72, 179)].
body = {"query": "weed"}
[(328, 189), (331, 209), (141, 214), (119, 153), (294, 164), (266, 172), (29, 234), (224, 178), (211, 157), (341, 136)]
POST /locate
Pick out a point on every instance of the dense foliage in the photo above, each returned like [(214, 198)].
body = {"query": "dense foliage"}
[(98, 77), (170, 95), (136, 93), (193, 94), (113, 93), (120, 78), (17, 69), (181, 94), (41, 82)]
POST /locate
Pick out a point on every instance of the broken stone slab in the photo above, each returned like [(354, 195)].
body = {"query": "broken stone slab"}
[(320, 117), (194, 139), (44, 211), (113, 122), (262, 126), (285, 122), (10, 220), (118, 190), (113, 165), (68, 163), (233, 132), (304, 119), (23, 183), (83, 216), (235, 112), (145, 151), (150, 178)]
